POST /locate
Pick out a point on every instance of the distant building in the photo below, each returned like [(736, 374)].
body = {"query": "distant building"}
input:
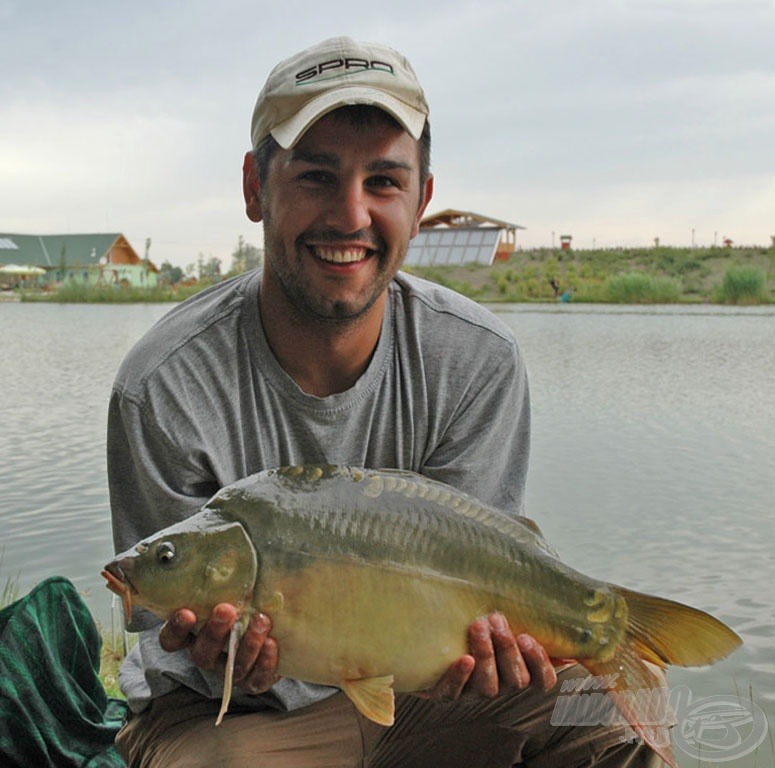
[(91, 259), (461, 237)]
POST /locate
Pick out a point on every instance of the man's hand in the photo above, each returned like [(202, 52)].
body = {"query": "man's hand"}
[(255, 665), (498, 662)]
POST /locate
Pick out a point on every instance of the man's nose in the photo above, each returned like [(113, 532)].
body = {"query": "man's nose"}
[(349, 209)]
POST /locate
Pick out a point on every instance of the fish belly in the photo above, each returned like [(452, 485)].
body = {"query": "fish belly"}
[(336, 620)]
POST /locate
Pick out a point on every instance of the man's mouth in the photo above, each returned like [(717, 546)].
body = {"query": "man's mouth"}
[(339, 255)]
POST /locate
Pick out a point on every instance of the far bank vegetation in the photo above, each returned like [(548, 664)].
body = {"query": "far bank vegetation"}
[(660, 275), (657, 275)]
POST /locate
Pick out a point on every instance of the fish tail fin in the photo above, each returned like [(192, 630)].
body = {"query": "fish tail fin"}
[(666, 632), (661, 632)]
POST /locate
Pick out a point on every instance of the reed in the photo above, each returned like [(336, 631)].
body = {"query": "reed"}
[(639, 288), (10, 591), (742, 285), (73, 293)]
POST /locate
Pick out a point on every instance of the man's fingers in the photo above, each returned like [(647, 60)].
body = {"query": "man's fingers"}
[(505, 662), (484, 679), (263, 675), (176, 632), (541, 670), (255, 667), (450, 686), (211, 640), (513, 671), (255, 663)]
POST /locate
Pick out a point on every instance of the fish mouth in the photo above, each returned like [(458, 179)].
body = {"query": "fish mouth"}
[(120, 584), (117, 578)]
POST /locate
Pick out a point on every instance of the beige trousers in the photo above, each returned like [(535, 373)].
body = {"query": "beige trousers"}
[(178, 731)]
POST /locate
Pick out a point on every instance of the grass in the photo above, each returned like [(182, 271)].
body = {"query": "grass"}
[(637, 288), (74, 293), (742, 285), (111, 656), (619, 275), (10, 591)]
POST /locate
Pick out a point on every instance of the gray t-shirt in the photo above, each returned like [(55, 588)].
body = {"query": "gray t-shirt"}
[(201, 401)]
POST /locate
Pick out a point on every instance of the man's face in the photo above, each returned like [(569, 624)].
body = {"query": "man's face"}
[(339, 210)]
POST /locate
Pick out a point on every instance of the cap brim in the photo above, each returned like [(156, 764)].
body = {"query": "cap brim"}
[(289, 132)]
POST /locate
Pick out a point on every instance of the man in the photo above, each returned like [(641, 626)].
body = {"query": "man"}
[(328, 355)]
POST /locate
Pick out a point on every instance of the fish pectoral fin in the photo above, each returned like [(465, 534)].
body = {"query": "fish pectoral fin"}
[(373, 697), (274, 604), (228, 680)]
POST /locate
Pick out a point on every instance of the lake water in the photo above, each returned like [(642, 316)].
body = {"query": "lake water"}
[(653, 461)]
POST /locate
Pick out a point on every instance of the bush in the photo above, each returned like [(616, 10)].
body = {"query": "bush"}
[(742, 285), (637, 288)]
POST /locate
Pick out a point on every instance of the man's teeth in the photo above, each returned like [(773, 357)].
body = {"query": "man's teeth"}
[(341, 255)]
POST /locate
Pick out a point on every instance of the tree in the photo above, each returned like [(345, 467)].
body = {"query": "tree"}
[(169, 274), (245, 257), (208, 268)]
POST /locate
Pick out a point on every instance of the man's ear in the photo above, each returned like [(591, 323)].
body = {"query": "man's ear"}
[(427, 194), (251, 188)]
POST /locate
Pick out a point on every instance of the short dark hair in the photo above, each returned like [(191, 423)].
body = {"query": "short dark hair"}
[(359, 115)]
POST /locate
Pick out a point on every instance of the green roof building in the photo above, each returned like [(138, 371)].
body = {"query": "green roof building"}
[(93, 259)]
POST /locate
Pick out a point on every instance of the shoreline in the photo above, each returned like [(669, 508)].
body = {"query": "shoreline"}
[(743, 276)]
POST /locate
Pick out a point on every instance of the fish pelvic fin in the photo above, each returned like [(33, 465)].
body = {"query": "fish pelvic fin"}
[(228, 681), (666, 632), (373, 697)]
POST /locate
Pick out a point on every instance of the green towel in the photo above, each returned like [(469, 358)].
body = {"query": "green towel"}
[(53, 708)]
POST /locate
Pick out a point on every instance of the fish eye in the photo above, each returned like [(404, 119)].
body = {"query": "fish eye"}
[(165, 552)]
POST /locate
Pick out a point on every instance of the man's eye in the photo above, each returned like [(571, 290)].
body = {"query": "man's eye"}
[(317, 177), (382, 181)]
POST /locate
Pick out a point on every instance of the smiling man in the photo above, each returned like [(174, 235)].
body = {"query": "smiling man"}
[(338, 209), (329, 354)]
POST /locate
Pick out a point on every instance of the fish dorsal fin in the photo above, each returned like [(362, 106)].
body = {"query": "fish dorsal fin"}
[(228, 680), (373, 697)]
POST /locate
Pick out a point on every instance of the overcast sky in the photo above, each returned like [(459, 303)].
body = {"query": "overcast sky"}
[(615, 121)]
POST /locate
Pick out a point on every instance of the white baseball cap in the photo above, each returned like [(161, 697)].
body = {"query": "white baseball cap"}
[(336, 73)]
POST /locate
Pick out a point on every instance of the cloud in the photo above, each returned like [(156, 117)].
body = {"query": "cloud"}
[(618, 119)]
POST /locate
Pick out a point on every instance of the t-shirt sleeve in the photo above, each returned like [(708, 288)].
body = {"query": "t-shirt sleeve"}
[(485, 448), (153, 484)]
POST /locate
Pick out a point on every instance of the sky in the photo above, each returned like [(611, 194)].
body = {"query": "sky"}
[(614, 121)]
